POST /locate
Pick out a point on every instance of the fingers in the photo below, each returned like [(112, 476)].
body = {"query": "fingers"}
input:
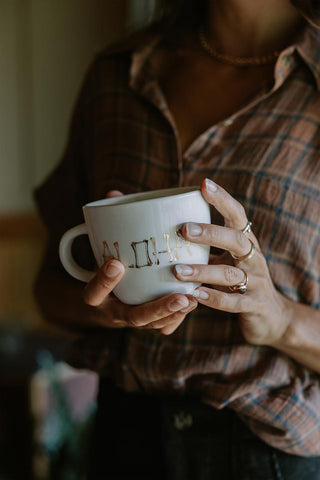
[(169, 324), (236, 242), (227, 302), (169, 328), (114, 193), (161, 310), (232, 211), (107, 277), (222, 275), (164, 314), (235, 236)]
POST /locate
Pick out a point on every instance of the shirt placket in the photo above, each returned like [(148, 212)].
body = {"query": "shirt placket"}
[(144, 83), (147, 85), (209, 141)]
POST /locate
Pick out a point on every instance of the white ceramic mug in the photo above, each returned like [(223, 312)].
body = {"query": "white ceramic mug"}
[(141, 230)]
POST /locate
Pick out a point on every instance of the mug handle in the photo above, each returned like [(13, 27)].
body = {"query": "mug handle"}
[(66, 257)]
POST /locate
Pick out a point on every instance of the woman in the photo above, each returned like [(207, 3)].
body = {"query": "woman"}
[(224, 384)]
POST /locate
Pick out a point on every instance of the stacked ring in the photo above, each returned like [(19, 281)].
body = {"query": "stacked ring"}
[(240, 287), (247, 228), (248, 255)]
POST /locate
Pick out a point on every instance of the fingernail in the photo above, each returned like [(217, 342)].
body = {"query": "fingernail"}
[(176, 305), (191, 306), (183, 270), (193, 229), (202, 294), (210, 185), (112, 269)]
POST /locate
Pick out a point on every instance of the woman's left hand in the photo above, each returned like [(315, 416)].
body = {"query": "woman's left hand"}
[(263, 312)]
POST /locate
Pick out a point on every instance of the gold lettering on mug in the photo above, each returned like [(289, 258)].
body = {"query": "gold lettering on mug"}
[(116, 246), (155, 253), (145, 253), (180, 242), (142, 256), (172, 258), (107, 254)]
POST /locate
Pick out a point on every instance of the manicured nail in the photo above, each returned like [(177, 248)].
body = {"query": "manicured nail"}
[(183, 270), (210, 185), (176, 305), (193, 229), (112, 269), (190, 307), (202, 294)]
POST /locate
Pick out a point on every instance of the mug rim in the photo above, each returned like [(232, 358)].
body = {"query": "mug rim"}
[(140, 197)]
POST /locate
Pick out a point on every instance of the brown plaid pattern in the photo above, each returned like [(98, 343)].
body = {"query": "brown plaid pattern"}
[(268, 156)]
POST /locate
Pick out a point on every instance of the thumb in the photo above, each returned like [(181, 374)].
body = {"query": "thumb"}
[(114, 193), (107, 277)]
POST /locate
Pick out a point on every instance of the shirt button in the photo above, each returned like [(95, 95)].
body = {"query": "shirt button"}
[(228, 122), (182, 420)]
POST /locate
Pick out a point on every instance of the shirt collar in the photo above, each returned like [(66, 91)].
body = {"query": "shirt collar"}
[(143, 79), (140, 70), (308, 47)]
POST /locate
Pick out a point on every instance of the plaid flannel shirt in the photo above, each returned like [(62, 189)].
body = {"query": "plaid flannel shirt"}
[(267, 155)]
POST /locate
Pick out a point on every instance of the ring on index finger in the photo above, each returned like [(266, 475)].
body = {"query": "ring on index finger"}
[(248, 255)]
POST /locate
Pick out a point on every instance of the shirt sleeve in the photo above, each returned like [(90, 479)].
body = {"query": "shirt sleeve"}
[(60, 198)]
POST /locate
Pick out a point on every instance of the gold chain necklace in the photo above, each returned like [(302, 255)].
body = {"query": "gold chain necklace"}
[(236, 61)]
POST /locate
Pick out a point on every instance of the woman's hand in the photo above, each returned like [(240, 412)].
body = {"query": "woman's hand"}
[(264, 313), (164, 314)]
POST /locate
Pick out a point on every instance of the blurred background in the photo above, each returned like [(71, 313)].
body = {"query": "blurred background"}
[(45, 48)]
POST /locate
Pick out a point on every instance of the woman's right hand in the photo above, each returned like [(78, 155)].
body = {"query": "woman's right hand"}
[(164, 314)]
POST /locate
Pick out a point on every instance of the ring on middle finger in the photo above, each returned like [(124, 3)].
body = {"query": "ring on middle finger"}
[(248, 255)]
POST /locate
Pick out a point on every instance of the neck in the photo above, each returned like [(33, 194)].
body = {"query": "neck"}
[(251, 27)]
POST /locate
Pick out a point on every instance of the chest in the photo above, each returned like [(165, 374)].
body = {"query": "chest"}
[(268, 159), (201, 94)]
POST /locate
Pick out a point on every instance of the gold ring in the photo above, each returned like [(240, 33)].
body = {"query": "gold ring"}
[(247, 228), (248, 255), (240, 287)]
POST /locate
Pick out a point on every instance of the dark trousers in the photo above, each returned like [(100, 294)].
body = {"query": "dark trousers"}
[(140, 437)]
